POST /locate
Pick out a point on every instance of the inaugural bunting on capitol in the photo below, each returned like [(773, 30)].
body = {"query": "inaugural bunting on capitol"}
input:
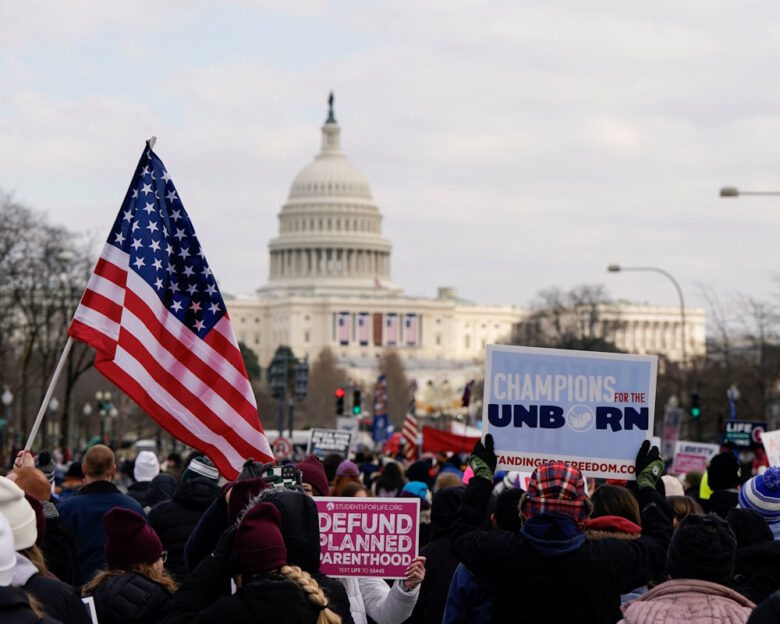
[(154, 314)]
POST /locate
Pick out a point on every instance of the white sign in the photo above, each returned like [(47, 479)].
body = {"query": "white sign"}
[(771, 442), (322, 442), (591, 410)]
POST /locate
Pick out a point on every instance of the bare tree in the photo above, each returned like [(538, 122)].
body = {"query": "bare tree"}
[(399, 389), (325, 376)]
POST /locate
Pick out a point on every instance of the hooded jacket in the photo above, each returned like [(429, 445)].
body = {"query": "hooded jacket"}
[(130, 598), (757, 570), (549, 571), (15, 608), (59, 548), (440, 562), (720, 502), (688, 600), (174, 520)]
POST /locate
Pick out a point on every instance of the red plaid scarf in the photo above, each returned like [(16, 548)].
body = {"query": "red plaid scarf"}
[(556, 488)]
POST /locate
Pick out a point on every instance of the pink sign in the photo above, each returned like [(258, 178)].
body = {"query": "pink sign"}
[(368, 536), (687, 462)]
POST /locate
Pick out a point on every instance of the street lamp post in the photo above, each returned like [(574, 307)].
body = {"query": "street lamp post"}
[(7, 399), (616, 268), (733, 191)]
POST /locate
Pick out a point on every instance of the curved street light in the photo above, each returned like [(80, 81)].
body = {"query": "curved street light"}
[(733, 191)]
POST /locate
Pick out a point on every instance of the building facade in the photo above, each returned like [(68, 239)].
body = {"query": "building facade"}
[(330, 286)]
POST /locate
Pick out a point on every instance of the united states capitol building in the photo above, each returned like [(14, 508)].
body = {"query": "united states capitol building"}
[(330, 286)]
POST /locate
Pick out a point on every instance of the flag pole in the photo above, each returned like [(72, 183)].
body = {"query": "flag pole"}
[(49, 392)]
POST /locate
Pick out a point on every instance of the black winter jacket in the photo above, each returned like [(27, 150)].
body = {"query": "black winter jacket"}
[(15, 608), (175, 519), (271, 599), (59, 600), (757, 571), (440, 563), (130, 598), (549, 572), (60, 552), (721, 502)]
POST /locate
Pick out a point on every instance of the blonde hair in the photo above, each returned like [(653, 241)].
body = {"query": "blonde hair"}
[(144, 569), (35, 555), (313, 591), (99, 461)]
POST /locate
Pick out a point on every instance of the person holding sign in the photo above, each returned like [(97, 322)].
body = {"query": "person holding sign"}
[(549, 572)]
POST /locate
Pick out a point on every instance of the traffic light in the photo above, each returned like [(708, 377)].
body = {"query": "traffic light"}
[(301, 380), (357, 406), (695, 405), (340, 401), (278, 377)]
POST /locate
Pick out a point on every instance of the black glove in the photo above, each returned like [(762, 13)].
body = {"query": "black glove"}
[(223, 551), (483, 460), (648, 466)]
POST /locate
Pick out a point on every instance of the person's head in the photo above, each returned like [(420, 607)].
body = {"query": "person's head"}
[(446, 480), (330, 463), (692, 480), (347, 472), (130, 541), (505, 516), (19, 513), (749, 527), (45, 463), (7, 552), (34, 483), (683, 506), (703, 547), (313, 477), (391, 477), (146, 467), (672, 486), (556, 487), (614, 500), (354, 490), (258, 541), (420, 471), (723, 472), (99, 464), (201, 466), (173, 461), (74, 473), (762, 495)]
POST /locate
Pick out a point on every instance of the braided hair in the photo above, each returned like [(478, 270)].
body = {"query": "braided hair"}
[(313, 591)]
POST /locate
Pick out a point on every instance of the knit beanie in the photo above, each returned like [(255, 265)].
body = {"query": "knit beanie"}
[(20, 514), (420, 490), (258, 540), (723, 472), (347, 469), (7, 552), (672, 486), (557, 488), (146, 466), (40, 519), (762, 494), (703, 547), (45, 463), (313, 473), (243, 491), (129, 540), (201, 467)]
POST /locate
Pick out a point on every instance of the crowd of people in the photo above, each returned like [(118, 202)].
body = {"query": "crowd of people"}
[(178, 543)]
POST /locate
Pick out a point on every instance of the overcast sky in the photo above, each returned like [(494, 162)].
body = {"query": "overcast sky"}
[(511, 146)]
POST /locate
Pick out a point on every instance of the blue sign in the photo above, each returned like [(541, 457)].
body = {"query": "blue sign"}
[(590, 409)]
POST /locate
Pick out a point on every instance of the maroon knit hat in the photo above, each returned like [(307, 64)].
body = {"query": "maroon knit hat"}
[(313, 473), (129, 540), (241, 493), (259, 541), (40, 519)]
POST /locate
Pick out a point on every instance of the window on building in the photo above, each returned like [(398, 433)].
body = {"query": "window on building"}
[(306, 336), (467, 341), (257, 339), (438, 339)]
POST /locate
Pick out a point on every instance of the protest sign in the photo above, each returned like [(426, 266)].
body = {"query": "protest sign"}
[(743, 434), (671, 430), (376, 537), (694, 456), (592, 410), (322, 442), (771, 442)]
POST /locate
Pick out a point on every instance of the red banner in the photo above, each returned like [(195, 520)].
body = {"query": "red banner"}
[(435, 441)]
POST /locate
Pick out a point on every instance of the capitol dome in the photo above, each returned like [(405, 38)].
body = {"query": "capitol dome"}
[(330, 231)]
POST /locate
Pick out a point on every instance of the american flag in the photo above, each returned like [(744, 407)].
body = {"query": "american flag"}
[(344, 328), (154, 314), (391, 329), (410, 329), (363, 321), (409, 433)]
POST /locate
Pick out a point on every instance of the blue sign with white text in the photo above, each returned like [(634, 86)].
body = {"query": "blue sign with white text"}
[(589, 409)]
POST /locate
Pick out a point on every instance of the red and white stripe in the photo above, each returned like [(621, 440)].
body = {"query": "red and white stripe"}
[(391, 329), (344, 327), (197, 389), (409, 433), (363, 319)]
